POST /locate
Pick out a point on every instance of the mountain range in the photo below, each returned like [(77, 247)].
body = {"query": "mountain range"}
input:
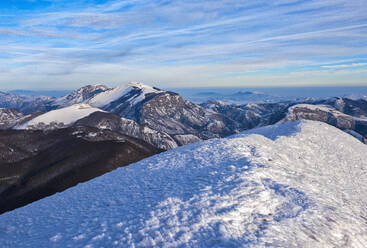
[(236, 97), (167, 113), (149, 120)]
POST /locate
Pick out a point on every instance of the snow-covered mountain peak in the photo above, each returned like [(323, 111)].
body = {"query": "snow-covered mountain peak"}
[(300, 184), (138, 85), (138, 93)]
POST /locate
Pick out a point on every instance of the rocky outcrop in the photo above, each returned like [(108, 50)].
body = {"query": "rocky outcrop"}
[(35, 164), (104, 120), (186, 139)]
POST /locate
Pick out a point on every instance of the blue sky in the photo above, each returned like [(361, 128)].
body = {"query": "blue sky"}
[(59, 44)]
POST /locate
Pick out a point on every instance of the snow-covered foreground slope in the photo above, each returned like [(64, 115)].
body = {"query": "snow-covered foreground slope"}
[(65, 116), (300, 184)]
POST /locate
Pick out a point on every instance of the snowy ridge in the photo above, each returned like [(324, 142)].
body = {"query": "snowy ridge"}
[(64, 116), (292, 111), (114, 94), (325, 108), (300, 184)]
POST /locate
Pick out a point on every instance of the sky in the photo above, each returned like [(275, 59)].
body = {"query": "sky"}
[(62, 44)]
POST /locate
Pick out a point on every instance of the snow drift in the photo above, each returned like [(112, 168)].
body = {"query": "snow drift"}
[(300, 184)]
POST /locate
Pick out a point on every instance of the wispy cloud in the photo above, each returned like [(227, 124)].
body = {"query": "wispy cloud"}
[(344, 66), (207, 42)]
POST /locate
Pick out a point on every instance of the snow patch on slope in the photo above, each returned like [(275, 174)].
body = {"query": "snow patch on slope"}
[(300, 184), (66, 116), (108, 96)]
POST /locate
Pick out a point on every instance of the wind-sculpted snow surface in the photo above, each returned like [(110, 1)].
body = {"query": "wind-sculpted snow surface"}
[(300, 184)]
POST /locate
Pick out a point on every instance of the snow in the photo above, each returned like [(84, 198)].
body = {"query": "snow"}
[(9, 117), (91, 135), (291, 111), (78, 96), (300, 184), (67, 115), (356, 97), (146, 89), (108, 96), (114, 94), (324, 108)]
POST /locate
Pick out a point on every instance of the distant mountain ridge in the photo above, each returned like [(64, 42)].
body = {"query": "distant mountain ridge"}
[(165, 119), (25, 104), (50, 93), (238, 97)]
